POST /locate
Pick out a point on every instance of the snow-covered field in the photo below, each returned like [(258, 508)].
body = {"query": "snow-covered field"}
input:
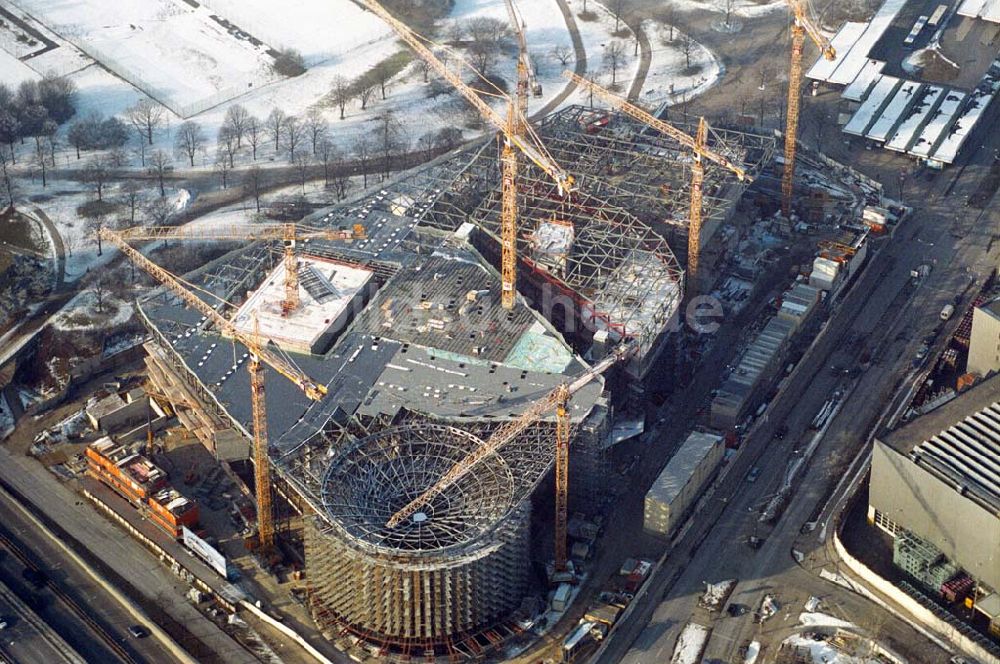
[(175, 53), (320, 31), (742, 8), (81, 313), (670, 79)]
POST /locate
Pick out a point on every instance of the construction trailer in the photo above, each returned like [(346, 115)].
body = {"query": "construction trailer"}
[(680, 483)]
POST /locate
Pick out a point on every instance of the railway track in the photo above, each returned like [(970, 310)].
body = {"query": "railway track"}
[(80, 612)]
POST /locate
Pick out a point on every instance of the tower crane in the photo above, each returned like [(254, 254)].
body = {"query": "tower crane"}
[(259, 353), (801, 26), (289, 234), (697, 144), (517, 133), (556, 400)]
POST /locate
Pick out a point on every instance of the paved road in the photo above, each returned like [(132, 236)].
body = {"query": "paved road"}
[(153, 586), (94, 600), (27, 638), (941, 233), (57, 241)]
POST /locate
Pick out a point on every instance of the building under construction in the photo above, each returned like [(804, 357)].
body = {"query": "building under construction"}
[(421, 365)]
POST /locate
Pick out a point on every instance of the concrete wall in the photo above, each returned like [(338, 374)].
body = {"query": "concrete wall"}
[(914, 499), (984, 344)]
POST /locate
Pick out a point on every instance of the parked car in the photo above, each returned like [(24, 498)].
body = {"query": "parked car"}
[(138, 631)]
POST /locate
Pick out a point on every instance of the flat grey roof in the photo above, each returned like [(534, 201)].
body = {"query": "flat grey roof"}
[(678, 471)]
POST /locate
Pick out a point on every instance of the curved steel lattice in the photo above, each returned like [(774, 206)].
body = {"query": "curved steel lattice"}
[(370, 481)]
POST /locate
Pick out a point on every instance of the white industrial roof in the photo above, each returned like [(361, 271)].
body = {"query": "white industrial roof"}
[(871, 106), (988, 10), (887, 122), (971, 8), (964, 124), (842, 42), (313, 318), (857, 58), (926, 102), (864, 81), (939, 121)]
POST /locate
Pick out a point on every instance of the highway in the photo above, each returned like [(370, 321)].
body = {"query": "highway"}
[(27, 638)]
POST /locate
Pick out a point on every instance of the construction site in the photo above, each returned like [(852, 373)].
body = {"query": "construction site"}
[(402, 327), (419, 394)]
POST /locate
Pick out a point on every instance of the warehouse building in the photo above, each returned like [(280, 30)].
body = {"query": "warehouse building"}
[(935, 487), (679, 484), (984, 342)]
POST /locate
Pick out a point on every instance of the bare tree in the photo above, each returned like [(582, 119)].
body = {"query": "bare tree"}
[(302, 163), (159, 165), (340, 91), (294, 133), (7, 179), (99, 286), (140, 149), (382, 74), (93, 227), (424, 68), (129, 197), (363, 151), (97, 172), (366, 90), (687, 45), (146, 116), (237, 118), (228, 144), (190, 139), (158, 211), (341, 180), (254, 133), (275, 126), (618, 9), (222, 167), (563, 54), (729, 13), (390, 138), (669, 17), (615, 57), (39, 156), (315, 127), (325, 153), (253, 181)]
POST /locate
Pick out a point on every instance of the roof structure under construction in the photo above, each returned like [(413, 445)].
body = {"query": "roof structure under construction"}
[(421, 363)]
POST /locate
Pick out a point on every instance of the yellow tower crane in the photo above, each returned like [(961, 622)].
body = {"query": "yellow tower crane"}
[(517, 133), (556, 400), (697, 144), (260, 353), (289, 234), (801, 26)]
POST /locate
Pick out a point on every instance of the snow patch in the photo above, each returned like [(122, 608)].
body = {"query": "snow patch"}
[(690, 644), (716, 593), (823, 620)]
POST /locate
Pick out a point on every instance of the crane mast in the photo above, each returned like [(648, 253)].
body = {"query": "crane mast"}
[(697, 144), (516, 133), (261, 462), (289, 234), (259, 354), (312, 389), (556, 400), (801, 26)]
